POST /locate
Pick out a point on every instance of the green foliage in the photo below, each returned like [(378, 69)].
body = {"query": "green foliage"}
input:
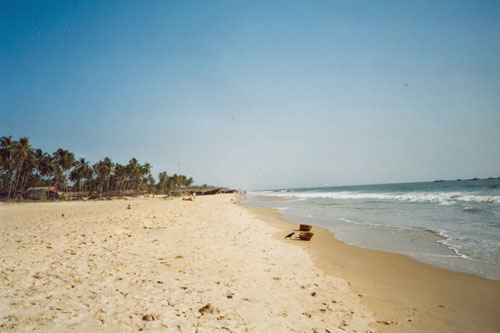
[(22, 167)]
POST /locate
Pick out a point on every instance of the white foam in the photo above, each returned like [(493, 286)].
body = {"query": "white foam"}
[(448, 242), (445, 198), (354, 222)]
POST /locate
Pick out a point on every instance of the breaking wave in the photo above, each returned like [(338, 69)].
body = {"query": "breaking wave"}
[(445, 198)]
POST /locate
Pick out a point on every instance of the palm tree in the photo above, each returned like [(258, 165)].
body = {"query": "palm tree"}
[(103, 169), (21, 166), (150, 183), (146, 173), (134, 173), (162, 181), (49, 170), (81, 171), (121, 176), (27, 175), (39, 156), (23, 152), (108, 172), (6, 151), (172, 182), (65, 160)]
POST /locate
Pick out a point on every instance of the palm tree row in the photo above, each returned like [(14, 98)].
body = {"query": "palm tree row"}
[(22, 167)]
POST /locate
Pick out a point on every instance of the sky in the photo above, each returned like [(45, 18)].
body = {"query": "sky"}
[(259, 94)]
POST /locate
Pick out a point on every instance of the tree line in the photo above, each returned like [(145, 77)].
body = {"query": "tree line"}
[(22, 167)]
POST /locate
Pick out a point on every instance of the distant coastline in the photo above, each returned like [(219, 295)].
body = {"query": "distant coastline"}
[(463, 180)]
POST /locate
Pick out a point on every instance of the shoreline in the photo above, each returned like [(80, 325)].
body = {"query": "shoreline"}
[(430, 246), (403, 294)]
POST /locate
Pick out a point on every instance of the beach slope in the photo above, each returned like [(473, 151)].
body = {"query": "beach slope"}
[(403, 294)]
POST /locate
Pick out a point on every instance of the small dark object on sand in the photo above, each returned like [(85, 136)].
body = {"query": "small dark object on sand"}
[(129, 207), (306, 236), (290, 235), (305, 227), (148, 318), (206, 309), (62, 214)]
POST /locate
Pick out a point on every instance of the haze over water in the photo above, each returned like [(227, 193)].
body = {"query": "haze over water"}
[(454, 224)]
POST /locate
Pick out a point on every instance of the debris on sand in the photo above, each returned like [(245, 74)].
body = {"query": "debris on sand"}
[(207, 309), (148, 317), (305, 227), (306, 236)]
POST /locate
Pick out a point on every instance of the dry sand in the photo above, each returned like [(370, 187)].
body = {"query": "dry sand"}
[(206, 265), (404, 295)]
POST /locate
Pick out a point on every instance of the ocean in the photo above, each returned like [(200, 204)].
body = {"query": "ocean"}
[(452, 224)]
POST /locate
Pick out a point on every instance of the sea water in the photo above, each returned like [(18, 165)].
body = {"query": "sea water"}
[(454, 224)]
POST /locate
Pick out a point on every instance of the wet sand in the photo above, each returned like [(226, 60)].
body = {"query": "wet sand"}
[(404, 295)]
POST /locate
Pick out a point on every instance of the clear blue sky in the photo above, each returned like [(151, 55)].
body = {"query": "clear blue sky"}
[(259, 94)]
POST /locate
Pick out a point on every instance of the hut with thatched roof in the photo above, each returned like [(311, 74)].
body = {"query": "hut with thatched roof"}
[(41, 193)]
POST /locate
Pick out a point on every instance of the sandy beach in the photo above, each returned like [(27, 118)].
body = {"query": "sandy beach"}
[(157, 159), (164, 265)]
